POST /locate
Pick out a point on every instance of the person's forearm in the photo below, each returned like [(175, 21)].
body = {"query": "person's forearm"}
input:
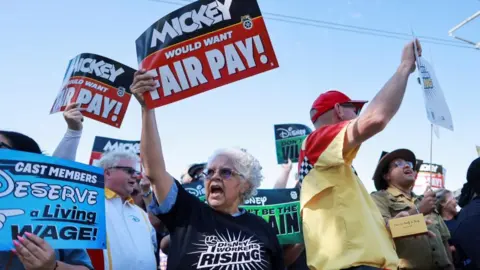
[(152, 156), (65, 266), (387, 102), (67, 148), (282, 180)]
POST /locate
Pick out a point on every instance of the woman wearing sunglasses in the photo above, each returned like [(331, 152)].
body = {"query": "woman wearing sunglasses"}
[(216, 235), (32, 252)]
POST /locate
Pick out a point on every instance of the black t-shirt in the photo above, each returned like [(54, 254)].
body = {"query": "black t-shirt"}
[(300, 263), (202, 238)]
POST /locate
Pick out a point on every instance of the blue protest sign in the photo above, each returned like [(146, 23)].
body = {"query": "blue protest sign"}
[(59, 200)]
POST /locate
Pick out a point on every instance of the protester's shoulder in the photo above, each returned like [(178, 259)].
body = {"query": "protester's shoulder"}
[(470, 212), (380, 194), (320, 139), (328, 131)]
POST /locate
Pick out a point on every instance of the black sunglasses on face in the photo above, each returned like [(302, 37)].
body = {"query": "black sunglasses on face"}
[(4, 146), (225, 173), (131, 171), (351, 106)]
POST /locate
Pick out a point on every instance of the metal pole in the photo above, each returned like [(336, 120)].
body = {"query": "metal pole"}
[(463, 23), (431, 153)]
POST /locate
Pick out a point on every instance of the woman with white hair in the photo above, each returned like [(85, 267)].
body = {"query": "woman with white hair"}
[(216, 235)]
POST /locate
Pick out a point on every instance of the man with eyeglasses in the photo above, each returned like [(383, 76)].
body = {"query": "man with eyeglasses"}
[(394, 179), (342, 226), (131, 239)]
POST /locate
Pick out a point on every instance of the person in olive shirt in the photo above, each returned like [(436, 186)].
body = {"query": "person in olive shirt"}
[(394, 179)]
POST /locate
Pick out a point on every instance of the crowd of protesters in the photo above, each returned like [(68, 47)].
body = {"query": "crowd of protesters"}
[(154, 223)]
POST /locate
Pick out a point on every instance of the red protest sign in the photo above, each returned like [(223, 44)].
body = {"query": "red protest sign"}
[(429, 174), (100, 85), (202, 46)]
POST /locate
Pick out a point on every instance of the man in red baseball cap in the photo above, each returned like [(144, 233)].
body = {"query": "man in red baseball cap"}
[(334, 99), (342, 225)]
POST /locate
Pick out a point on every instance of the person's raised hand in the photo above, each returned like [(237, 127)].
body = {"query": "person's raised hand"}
[(408, 54), (427, 205), (34, 252), (142, 83), (73, 116)]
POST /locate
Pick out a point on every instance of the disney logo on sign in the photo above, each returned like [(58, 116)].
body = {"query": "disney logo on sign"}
[(198, 191), (290, 132)]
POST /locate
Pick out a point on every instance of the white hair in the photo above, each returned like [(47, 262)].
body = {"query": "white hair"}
[(112, 158), (246, 165)]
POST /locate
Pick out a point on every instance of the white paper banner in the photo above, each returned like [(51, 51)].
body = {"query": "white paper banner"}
[(435, 104)]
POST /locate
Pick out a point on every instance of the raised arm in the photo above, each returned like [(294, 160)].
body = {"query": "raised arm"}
[(385, 104), (67, 148), (151, 146), (283, 178)]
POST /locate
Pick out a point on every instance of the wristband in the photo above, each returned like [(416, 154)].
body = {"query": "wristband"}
[(147, 194), (416, 208)]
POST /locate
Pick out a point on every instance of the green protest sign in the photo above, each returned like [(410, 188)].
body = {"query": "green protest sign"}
[(281, 209), (288, 141), (278, 207)]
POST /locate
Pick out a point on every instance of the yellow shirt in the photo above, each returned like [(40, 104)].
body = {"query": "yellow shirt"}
[(342, 226)]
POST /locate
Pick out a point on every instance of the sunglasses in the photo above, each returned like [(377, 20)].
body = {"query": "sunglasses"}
[(129, 170), (225, 173), (351, 106), (402, 164), (4, 146)]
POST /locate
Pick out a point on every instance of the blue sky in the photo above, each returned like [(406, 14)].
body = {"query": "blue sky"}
[(39, 37)]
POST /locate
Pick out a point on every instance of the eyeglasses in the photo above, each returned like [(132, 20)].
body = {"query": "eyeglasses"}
[(351, 106), (225, 173), (402, 164), (4, 146), (131, 171)]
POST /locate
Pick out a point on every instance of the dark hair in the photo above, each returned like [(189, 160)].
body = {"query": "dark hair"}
[(21, 142), (466, 195), (473, 183)]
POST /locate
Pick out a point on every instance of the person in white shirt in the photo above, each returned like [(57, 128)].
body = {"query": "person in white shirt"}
[(131, 239)]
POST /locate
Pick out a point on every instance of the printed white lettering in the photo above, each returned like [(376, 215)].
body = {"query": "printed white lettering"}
[(133, 147), (218, 38), (206, 15), (256, 200), (290, 132), (93, 66), (22, 189), (216, 251), (96, 86), (425, 167)]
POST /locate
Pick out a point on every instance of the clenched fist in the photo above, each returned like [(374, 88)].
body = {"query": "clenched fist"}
[(73, 116), (427, 205), (142, 83), (408, 54)]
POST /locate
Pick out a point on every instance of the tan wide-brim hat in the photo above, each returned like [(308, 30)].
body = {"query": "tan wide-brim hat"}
[(385, 160)]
